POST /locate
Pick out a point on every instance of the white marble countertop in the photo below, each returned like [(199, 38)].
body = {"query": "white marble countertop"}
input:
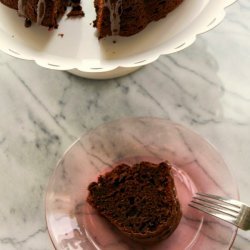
[(205, 87)]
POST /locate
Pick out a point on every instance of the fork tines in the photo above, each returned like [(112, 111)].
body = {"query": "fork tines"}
[(225, 209)]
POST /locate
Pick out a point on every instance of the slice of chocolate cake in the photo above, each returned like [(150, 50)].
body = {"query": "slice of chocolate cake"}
[(44, 12), (140, 201), (126, 18)]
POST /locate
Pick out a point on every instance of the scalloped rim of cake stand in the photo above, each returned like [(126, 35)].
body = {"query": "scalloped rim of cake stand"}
[(127, 66)]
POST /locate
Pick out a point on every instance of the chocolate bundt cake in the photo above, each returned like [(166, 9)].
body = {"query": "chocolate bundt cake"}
[(140, 201), (126, 18), (114, 17), (43, 12)]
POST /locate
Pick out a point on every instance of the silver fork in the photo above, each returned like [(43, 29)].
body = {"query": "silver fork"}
[(232, 211)]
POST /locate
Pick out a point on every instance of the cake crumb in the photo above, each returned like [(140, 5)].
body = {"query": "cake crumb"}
[(27, 23), (61, 35)]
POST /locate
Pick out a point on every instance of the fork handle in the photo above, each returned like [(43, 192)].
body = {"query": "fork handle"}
[(244, 222)]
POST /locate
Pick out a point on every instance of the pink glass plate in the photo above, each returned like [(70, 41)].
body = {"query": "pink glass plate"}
[(73, 224)]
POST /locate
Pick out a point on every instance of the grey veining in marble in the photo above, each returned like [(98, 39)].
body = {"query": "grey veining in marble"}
[(205, 87)]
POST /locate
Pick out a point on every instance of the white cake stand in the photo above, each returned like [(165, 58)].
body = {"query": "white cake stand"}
[(74, 46)]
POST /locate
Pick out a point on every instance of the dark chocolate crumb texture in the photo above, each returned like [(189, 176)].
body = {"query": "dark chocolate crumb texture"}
[(140, 201), (126, 18)]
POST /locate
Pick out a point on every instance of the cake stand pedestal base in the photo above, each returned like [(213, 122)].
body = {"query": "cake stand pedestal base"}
[(118, 72)]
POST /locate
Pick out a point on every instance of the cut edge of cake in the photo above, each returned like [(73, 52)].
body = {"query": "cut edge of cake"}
[(127, 18), (44, 12)]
